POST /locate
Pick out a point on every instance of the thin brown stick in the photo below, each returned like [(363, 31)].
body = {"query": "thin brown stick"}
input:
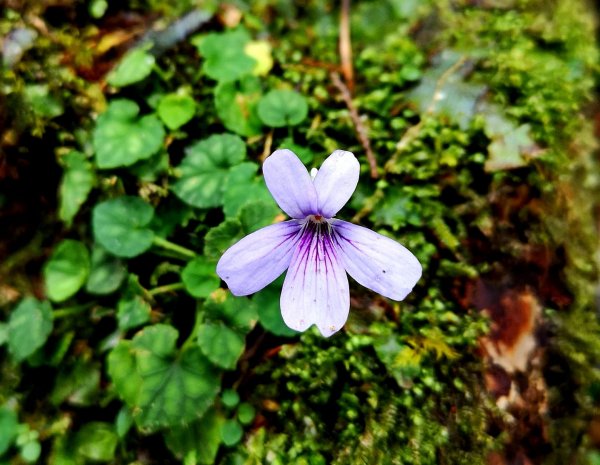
[(346, 45), (361, 131)]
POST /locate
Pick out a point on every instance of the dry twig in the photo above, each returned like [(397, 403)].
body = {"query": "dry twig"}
[(361, 131)]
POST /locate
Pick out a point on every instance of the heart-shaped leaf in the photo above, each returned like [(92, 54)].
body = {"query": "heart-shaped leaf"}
[(205, 169), (224, 56), (29, 326), (175, 110), (121, 225), (121, 138), (280, 108), (66, 270), (163, 387)]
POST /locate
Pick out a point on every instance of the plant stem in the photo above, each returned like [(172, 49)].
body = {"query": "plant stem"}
[(165, 244), (68, 311), (166, 288)]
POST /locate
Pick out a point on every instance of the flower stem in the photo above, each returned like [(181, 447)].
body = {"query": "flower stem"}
[(168, 245), (166, 288), (74, 310)]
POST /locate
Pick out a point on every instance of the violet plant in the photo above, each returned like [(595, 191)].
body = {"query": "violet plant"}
[(316, 248)]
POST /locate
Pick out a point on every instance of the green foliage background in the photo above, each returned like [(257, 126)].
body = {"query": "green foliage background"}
[(129, 166)]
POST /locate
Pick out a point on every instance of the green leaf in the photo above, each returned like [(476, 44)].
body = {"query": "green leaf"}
[(163, 387), (200, 439), (134, 67), (236, 104), (230, 398), (29, 326), (106, 274), (132, 309), (220, 238), (76, 184), (258, 214), (205, 169), (97, 441), (30, 452), (231, 433), (238, 313), (175, 110), (305, 155), (3, 333), (121, 225), (242, 187), (269, 311), (221, 345), (42, 102), (224, 57), (66, 270), (123, 422), (246, 413), (8, 428), (121, 138), (78, 385), (200, 278), (280, 108)]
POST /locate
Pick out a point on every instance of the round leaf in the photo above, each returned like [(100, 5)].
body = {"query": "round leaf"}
[(121, 138), (200, 278), (67, 270), (230, 398), (135, 66), (280, 108), (106, 274), (246, 413), (231, 433), (220, 344), (97, 441), (30, 452), (29, 326), (163, 387), (205, 169), (236, 105), (175, 110), (120, 225)]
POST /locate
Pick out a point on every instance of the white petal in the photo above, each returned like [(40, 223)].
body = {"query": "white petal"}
[(290, 184), (315, 290), (376, 261), (335, 181), (259, 258)]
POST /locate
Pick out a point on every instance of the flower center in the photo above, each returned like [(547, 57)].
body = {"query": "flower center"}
[(316, 219)]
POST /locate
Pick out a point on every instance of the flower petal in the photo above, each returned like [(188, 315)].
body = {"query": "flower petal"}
[(259, 258), (315, 290), (290, 184), (335, 181), (375, 261)]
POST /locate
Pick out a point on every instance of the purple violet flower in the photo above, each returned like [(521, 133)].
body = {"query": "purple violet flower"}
[(316, 248)]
